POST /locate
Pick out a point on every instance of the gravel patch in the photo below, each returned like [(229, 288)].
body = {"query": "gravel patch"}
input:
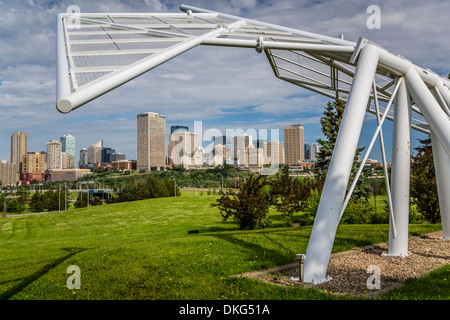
[(349, 270)]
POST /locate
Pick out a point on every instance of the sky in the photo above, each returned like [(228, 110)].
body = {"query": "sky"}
[(221, 88)]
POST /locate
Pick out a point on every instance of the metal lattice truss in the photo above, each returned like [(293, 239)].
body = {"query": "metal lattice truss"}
[(99, 52)]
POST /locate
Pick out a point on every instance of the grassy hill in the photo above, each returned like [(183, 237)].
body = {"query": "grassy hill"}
[(142, 250)]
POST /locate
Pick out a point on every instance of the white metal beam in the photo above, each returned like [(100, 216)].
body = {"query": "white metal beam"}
[(63, 86), (328, 213), (118, 78), (430, 108), (400, 172), (442, 170)]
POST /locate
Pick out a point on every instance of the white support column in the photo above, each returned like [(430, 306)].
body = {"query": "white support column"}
[(436, 117), (400, 174), (328, 213), (442, 168)]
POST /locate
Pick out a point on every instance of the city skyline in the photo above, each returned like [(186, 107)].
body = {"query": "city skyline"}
[(187, 89), (59, 154)]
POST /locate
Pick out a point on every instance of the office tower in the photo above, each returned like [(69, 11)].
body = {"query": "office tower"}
[(254, 157), (151, 141), (174, 129), (19, 147), (259, 143), (82, 162), (54, 157), (314, 151), (222, 140), (116, 156), (106, 155), (182, 149), (68, 144), (273, 151), (294, 149), (94, 152), (33, 166), (238, 145), (307, 151), (67, 160)]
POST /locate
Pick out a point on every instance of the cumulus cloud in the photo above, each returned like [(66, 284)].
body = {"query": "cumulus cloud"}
[(225, 87)]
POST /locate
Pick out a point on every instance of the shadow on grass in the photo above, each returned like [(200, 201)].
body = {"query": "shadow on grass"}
[(280, 254), (35, 276)]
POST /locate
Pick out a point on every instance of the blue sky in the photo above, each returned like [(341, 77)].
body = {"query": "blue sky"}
[(225, 88)]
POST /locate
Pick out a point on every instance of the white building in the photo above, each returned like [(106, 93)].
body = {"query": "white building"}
[(54, 157)]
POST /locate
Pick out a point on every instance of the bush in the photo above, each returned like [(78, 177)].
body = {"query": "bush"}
[(414, 215), (379, 217), (357, 212), (312, 204)]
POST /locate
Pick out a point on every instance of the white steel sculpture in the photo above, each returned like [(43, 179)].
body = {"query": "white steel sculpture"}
[(104, 51)]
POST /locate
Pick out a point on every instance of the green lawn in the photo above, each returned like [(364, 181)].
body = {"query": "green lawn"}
[(142, 250)]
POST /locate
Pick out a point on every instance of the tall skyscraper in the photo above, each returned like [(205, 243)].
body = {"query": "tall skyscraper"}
[(19, 147), (151, 141), (68, 144), (294, 144), (54, 157)]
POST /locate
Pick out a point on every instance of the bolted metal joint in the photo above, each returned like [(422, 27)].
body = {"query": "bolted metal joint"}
[(259, 44)]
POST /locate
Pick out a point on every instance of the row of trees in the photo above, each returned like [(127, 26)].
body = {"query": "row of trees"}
[(40, 201), (132, 189), (146, 187)]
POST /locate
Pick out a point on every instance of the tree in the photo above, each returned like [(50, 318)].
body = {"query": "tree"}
[(51, 200), (331, 122), (249, 205), (37, 203), (3, 204), (423, 182), (14, 206), (291, 195)]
